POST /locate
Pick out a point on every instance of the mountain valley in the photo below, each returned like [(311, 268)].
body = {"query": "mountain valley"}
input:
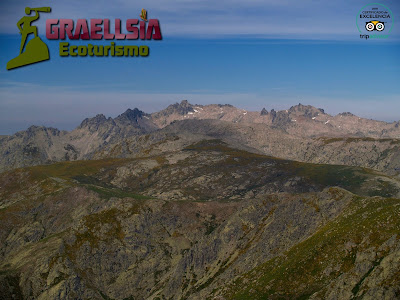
[(202, 202)]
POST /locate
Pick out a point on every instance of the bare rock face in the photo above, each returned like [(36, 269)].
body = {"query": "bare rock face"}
[(264, 112), (93, 124), (135, 118), (307, 111), (40, 145)]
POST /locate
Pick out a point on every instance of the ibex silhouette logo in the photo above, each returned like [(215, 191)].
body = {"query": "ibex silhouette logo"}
[(36, 50)]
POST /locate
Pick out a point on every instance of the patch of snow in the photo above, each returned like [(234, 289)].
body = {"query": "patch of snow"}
[(294, 120), (313, 118), (245, 113), (327, 122), (190, 113), (146, 117), (195, 110)]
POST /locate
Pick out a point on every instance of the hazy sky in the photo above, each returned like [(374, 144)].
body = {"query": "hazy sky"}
[(251, 54)]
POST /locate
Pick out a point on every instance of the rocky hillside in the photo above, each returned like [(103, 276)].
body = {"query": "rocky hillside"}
[(41, 145), (300, 120), (205, 221), (301, 133)]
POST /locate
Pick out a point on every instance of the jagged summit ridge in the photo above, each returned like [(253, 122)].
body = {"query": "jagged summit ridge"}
[(131, 115), (95, 122), (179, 108), (306, 110), (302, 132)]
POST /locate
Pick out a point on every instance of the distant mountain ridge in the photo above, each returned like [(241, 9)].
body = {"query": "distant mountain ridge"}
[(299, 133)]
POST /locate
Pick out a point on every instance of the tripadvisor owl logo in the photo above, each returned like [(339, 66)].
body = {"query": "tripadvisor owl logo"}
[(36, 50), (374, 21)]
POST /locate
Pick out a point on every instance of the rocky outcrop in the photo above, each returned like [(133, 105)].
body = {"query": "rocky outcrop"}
[(205, 221), (178, 108), (292, 134), (264, 112), (93, 124), (305, 110)]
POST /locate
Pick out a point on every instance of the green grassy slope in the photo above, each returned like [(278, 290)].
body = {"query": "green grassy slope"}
[(311, 265)]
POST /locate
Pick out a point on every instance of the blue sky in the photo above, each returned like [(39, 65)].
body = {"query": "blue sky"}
[(251, 54)]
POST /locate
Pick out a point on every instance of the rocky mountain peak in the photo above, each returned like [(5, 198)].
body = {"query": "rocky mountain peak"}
[(305, 110), (94, 123), (178, 108), (264, 112), (33, 130), (185, 103), (131, 115), (183, 108), (134, 120)]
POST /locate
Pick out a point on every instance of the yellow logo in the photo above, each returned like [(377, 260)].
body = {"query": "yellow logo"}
[(143, 14), (36, 50)]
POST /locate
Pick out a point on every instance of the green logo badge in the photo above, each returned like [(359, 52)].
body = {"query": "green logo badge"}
[(36, 50)]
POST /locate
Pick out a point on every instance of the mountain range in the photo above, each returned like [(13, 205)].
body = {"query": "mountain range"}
[(202, 202), (303, 133)]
